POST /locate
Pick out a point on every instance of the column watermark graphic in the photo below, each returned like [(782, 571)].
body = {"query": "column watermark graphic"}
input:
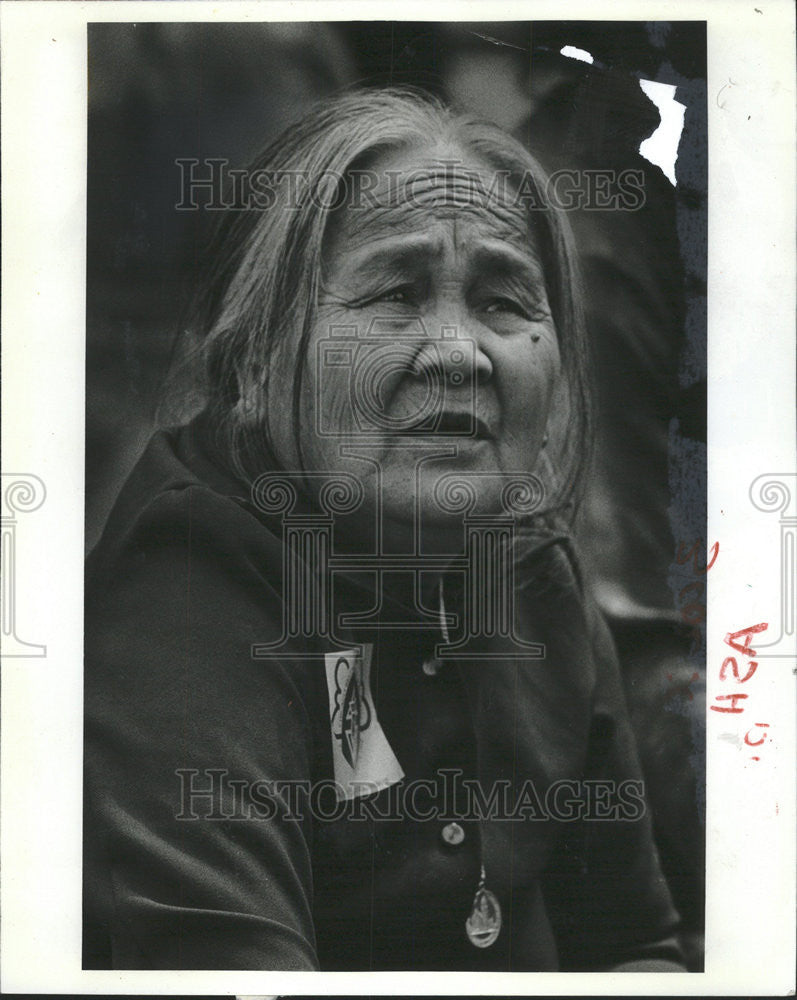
[(394, 394), (22, 493), (776, 493), (484, 562)]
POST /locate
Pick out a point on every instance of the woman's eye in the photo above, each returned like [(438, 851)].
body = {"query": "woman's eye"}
[(403, 295), (399, 295), (531, 313), (500, 305)]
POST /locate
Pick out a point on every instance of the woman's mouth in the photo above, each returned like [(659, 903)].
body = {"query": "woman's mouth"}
[(450, 423)]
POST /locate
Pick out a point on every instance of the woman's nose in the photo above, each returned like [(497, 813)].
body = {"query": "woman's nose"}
[(454, 353)]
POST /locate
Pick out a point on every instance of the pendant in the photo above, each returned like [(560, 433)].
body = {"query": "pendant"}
[(484, 923)]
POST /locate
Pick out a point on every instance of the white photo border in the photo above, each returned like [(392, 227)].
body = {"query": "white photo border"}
[(750, 829)]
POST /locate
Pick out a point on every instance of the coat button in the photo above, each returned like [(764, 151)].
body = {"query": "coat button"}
[(431, 666), (452, 834)]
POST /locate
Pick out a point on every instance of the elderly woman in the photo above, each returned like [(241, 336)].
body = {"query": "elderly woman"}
[(348, 702)]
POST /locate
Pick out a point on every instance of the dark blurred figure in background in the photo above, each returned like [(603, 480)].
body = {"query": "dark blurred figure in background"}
[(163, 92)]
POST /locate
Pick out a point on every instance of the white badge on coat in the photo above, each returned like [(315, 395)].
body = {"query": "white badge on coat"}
[(364, 762)]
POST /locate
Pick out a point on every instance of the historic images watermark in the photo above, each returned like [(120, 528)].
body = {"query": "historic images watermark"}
[(22, 493), (400, 417), (368, 360), (215, 794), (213, 185), (485, 562), (441, 414)]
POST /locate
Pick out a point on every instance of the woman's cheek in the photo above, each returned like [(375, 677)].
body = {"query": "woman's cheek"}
[(529, 390)]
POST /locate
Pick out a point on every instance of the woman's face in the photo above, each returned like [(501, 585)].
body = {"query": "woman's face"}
[(434, 350)]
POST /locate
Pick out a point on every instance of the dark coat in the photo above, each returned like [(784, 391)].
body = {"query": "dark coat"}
[(186, 579)]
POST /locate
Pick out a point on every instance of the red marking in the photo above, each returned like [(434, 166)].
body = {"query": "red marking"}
[(756, 743), (696, 633), (683, 687), (728, 697), (746, 632), (696, 584), (713, 559), (682, 557), (735, 669), (695, 612)]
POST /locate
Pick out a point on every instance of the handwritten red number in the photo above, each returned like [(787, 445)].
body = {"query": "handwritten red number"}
[(731, 638), (731, 660), (682, 556), (733, 698)]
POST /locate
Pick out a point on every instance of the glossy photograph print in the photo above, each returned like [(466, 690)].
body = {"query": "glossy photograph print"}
[(399, 499), (395, 496), (397, 554)]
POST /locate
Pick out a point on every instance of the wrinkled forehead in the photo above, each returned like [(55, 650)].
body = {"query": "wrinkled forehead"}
[(412, 191)]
